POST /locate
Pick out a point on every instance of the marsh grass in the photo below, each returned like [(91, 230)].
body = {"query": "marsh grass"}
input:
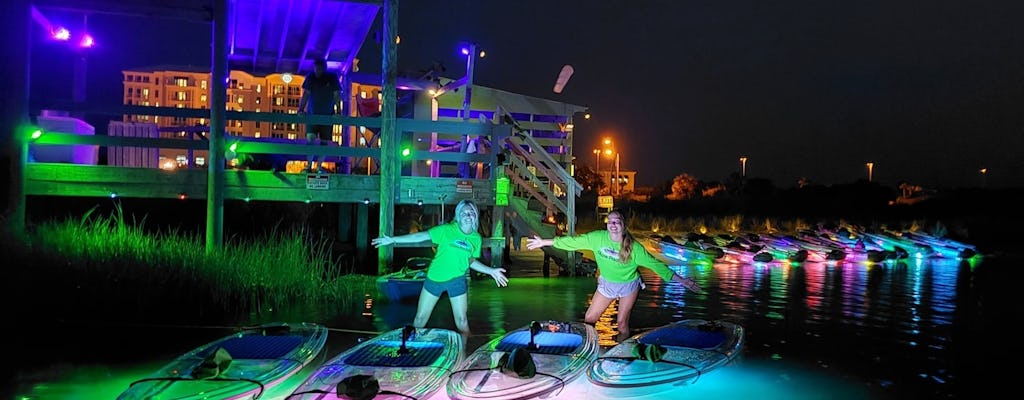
[(110, 267)]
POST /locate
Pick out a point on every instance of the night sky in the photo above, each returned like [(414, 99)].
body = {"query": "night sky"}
[(930, 92)]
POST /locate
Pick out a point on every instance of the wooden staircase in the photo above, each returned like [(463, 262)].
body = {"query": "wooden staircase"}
[(543, 198)]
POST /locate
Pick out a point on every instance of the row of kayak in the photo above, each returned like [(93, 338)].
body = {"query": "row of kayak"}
[(845, 244), (534, 361)]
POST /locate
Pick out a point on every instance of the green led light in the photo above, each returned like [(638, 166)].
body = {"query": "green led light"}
[(406, 152)]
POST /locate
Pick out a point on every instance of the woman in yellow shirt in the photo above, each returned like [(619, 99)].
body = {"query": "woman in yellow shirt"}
[(618, 256)]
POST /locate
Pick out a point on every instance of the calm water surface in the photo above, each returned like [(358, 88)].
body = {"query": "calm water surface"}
[(915, 329)]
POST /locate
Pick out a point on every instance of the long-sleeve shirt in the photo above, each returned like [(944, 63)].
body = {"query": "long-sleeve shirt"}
[(607, 254)]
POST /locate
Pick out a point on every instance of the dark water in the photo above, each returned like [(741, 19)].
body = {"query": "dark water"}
[(929, 329)]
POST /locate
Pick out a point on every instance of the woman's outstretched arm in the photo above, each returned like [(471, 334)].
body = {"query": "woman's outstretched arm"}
[(408, 238)]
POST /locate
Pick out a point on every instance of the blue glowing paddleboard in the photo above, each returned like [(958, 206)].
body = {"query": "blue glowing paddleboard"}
[(688, 349), (241, 365), (413, 368), (557, 352)]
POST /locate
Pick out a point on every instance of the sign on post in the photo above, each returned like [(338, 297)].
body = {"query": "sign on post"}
[(318, 182), (604, 205)]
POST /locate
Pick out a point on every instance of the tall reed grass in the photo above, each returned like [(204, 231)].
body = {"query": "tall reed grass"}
[(97, 265)]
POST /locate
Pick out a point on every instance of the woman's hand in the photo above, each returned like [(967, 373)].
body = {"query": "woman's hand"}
[(382, 241), (499, 276), (536, 242), (691, 285)]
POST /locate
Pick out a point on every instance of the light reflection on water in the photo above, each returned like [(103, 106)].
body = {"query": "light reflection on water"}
[(816, 330)]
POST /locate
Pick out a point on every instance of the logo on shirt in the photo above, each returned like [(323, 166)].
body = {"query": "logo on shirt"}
[(463, 244), (610, 253)]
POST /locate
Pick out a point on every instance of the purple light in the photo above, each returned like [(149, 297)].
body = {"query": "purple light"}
[(61, 33), (465, 51), (87, 41)]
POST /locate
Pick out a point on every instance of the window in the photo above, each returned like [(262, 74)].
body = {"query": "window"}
[(180, 96), (202, 84), (278, 101), (181, 81), (278, 89), (145, 94), (241, 99), (259, 89)]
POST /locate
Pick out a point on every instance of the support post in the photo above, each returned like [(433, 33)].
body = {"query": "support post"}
[(218, 100), (15, 110), (390, 168)]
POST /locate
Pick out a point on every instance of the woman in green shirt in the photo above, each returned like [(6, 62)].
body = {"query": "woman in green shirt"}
[(458, 248), (618, 256)]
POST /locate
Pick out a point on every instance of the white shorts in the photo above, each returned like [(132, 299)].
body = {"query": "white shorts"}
[(615, 290)]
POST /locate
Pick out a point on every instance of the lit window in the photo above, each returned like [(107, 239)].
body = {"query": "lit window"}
[(200, 160)]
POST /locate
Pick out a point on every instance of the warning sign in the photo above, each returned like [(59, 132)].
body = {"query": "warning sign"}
[(464, 186), (318, 182)]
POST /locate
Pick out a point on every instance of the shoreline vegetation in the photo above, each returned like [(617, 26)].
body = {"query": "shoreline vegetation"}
[(100, 267)]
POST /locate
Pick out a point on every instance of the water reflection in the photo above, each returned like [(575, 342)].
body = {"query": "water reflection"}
[(921, 328)]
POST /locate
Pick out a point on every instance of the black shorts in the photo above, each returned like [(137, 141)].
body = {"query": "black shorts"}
[(324, 132)]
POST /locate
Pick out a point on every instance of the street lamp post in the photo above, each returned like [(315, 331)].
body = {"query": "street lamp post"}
[(608, 152), (743, 167), (618, 178), (871, 170), (597, 164)]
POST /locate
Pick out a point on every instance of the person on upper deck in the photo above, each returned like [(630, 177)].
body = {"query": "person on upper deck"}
[(321, 95)]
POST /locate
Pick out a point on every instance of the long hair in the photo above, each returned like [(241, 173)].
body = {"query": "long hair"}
[(626, 252), (462, 206)]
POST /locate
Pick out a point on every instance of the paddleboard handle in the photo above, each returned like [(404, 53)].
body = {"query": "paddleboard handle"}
[(407, 333), (534, 330)]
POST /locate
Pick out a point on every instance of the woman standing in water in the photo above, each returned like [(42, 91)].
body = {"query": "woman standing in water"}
[(618, 257), (458, 248)]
